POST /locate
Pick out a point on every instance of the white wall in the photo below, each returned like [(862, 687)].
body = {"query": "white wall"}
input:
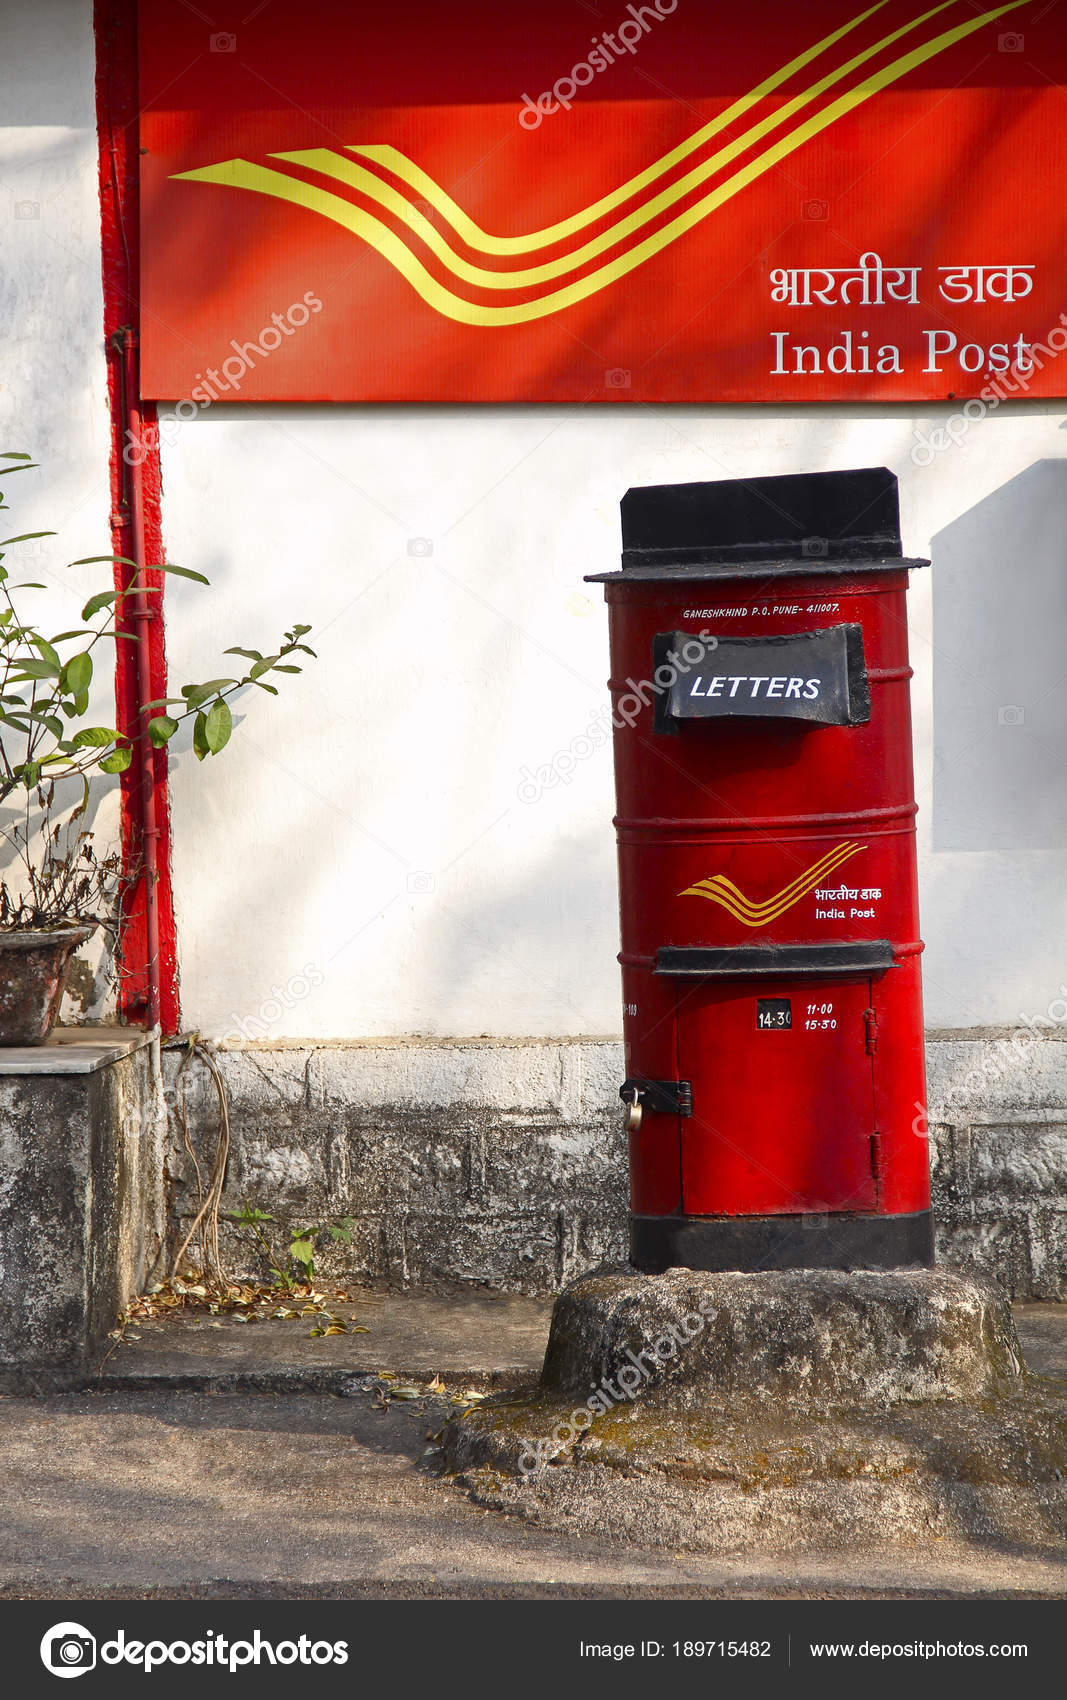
[(395, 763), (53, 380), (369, 825)]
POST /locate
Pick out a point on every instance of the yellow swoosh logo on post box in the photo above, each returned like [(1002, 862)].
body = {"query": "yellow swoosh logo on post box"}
[(718, 889), (261, 179)]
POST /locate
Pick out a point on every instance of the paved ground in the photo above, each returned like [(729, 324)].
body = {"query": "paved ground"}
[(140, 1490)]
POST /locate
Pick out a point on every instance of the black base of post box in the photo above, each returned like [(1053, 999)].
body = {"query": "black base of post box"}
[(720, 1243)]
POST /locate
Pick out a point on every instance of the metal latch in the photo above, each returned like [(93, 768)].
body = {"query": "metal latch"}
[(663, 1097)]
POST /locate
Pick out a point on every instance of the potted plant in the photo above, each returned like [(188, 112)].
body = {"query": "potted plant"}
[(55, 890)]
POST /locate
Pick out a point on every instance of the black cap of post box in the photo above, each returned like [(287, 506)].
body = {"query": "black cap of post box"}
[(818, 522)]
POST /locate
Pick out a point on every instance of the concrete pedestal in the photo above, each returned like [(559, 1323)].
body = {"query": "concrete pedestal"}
[(82, 1218), (714, 1410)]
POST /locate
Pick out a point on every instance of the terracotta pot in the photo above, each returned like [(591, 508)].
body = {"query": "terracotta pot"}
[(33, 969)]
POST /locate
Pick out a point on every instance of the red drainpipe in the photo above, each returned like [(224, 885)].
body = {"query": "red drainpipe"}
[(148, 990)]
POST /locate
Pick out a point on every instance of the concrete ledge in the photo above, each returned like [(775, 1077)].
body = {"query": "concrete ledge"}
[(75, 1050)]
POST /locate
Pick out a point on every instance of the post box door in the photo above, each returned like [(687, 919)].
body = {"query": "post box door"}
[(783, 1117)]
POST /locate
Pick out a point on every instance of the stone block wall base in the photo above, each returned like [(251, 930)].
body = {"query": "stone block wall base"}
[(504, 1161), (793, 1408)]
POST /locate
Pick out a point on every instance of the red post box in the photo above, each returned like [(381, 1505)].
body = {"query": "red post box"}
[(766, 833)]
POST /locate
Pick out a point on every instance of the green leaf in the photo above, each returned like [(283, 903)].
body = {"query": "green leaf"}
[(10, 720), (95, 560), (263, 666), (64, 637), (201, 747), (196, 694), (302, 1251), (182, 572), (102, 599), (218, 726), (273, 689), (280, 667), (249, 654), (45, 648), (24, 537), (94, 737), (117, 762), (29, 773), (160, 728), (30, 669), (210, 686), (77, 675), (164, 702), (54, 726), (14, 454)]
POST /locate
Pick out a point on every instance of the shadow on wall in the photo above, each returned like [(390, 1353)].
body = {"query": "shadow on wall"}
[(1000, 669)]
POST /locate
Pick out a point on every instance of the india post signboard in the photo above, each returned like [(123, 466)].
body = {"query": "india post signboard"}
[(685, 201)]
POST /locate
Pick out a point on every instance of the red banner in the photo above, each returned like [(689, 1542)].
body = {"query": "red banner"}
[(684, 201)]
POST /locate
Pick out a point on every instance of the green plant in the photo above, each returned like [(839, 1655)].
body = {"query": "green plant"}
[(296, 1265), (45, 737)]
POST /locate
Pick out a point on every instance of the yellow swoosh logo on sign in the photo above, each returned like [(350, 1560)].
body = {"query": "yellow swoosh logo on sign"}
[(244, 174), (718, 889), (426, 189)]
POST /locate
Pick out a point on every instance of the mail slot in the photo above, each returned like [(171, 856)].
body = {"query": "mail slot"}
[(772, 1007)]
